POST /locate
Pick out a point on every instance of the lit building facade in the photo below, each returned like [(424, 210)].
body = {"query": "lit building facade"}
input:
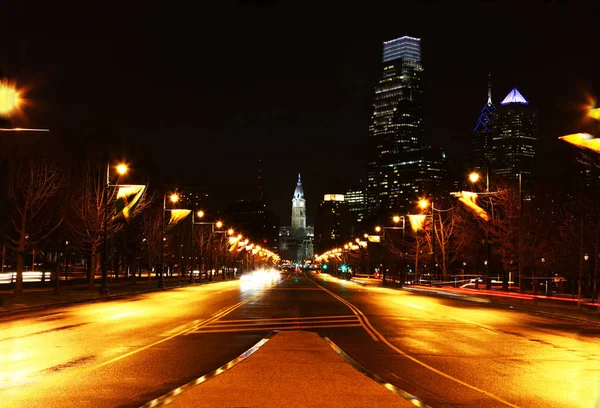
[(333, 222), (356, 207), (400, 166), (193, 198), (514, 140), (296, 241), (409, 177)]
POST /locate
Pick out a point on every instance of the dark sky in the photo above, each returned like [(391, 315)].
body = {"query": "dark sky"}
[(201, 93)]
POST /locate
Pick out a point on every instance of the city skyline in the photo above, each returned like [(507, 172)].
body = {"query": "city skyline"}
[(326, 107)]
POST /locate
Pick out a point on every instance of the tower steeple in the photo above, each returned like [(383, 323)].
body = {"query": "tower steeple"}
[(299, 192), (489, 101), (298, 209)]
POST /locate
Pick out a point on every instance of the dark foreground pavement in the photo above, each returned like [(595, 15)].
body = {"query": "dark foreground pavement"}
[(293, 369)]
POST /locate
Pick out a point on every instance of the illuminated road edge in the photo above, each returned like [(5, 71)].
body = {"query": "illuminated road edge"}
[(165, 399), (409, 397)]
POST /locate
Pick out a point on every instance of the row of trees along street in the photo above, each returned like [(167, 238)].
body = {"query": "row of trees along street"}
[(560, 239), (54, 209)]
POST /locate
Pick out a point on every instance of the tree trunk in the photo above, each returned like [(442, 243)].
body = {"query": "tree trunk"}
[(20, 260), (417, 263), (93, 259)]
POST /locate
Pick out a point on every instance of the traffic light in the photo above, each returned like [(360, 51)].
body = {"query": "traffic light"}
[(344, 268), (325, 266)]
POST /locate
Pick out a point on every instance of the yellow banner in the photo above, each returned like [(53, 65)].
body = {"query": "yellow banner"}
[(178, 215), (583, 140), (469, 199), (416, 221), (128, 198)]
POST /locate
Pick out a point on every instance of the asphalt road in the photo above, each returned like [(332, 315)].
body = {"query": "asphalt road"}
[(446, 352)]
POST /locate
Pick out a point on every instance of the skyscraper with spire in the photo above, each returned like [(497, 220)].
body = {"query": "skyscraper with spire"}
[(514, 140), (401, 168), (481, 148)]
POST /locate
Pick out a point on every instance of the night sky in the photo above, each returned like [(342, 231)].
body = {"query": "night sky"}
[(202, 93)]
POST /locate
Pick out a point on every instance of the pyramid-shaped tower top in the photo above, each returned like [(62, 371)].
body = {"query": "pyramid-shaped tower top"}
[(514, 96), (299, 193)]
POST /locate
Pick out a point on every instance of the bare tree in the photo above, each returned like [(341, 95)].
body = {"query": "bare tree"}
[(151, 231), (450, 236), (89, 213), (33, 185)]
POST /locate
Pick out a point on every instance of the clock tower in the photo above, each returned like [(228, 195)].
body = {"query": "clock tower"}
[(298, 210)]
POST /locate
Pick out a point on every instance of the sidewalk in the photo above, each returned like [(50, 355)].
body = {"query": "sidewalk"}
[(37, 298), (292, 369)]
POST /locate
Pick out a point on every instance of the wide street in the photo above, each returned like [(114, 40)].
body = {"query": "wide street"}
[(446, 352)]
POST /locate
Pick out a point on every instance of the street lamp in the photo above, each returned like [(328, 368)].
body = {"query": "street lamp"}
[(121, 170), (9, 98), (199, 215), (396, 219), (219, 225), (423, 204), (173, 198), (474, 177)]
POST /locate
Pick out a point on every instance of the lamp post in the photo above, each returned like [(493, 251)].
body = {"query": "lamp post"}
[(396, 219), (474, 178), (424, 204), (121, 170), (218, 225), (173, 198)]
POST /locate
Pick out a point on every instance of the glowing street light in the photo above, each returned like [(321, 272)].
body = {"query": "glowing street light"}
[(200, 214), (474, 177), (9, 98), (230, 231), (423, 203), (219, 224), (174, 198), (396, 219), (122, 169), (378, 229)]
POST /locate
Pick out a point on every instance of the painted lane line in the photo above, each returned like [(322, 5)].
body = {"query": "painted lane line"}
[(254, 329), (364, 321), (423, 364), (257, 324), (288, 318), (167, 398)]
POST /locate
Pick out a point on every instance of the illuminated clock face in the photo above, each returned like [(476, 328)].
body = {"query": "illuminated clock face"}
[(301, 203)]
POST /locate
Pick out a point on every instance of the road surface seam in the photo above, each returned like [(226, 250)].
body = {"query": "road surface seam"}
[(398, 391), (167, 398), (421, 363)]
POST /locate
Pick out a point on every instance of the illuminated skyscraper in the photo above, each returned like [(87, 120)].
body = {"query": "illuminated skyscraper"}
[(398, 162), (514, 140), (481, 149)]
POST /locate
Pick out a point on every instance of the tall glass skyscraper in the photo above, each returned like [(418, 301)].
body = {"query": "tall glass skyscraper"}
[(396, 147), (514, 140), (481, 151)]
